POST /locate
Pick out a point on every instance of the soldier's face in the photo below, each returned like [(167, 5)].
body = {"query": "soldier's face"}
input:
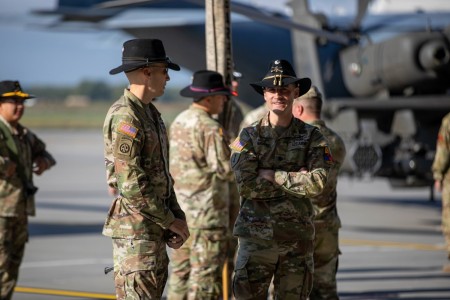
[(158, 77), (218, 103), (11, 109), (280, 99)]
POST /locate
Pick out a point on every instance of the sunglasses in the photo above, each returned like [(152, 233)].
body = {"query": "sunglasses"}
[(165, 71), (16, 101)]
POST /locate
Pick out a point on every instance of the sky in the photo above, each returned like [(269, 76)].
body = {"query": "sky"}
[(35, 54)]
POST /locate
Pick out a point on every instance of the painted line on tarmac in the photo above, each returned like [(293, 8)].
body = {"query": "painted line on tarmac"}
[(66, 262), (344, 242), (412, 246), (31, 290)]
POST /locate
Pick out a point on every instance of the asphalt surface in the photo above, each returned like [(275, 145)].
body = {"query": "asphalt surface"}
[(391, 241)]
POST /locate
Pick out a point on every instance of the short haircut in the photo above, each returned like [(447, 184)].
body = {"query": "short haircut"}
[(312, 100)]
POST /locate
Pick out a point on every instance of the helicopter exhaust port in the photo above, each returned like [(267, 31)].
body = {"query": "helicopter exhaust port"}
[(365, 158)]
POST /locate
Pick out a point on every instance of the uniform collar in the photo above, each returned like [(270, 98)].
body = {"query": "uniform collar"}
[(7, 124), (139, 104), (132, 97), (20, 130), (192, 107), (317, 123), (266, 131)]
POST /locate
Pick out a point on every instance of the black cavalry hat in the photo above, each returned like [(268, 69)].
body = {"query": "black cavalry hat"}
[(139, 53), (281, 74), (205, 83), (12, 89)]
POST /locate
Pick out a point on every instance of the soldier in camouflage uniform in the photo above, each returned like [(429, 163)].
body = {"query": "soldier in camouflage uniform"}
[(441, 175), (254, 115), (200, 165), (326, 222), (22, 153), (275, 223), (145, 216)]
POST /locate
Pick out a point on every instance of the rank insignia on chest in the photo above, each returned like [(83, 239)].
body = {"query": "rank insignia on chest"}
[(127, 129), (237, 145), (327, 155)]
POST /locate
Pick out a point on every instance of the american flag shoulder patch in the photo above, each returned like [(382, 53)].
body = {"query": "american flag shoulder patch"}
[(127, 129), (237, 145)]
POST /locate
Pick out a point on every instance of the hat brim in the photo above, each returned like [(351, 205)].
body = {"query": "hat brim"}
[(188, 92), (133, 66), (304, 85), (17, 94)]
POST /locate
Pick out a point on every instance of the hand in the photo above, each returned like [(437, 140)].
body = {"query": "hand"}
[(113, 192), (11, 169), (303, 170), (180, 228), (40, 164), (438, 185), (267, 174), (175, 242)]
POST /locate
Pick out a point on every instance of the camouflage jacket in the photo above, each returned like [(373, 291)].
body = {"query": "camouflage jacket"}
[(16, 196), (280, 211), (200, 165), (325, 204), (136, 158), (441, 163)]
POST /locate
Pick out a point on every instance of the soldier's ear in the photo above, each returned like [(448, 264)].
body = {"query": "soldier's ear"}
[(296, 110)]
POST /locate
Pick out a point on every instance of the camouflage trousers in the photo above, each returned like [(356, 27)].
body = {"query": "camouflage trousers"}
[(140, 268), (290, 263), (13, 237), (232, 240), (326, 253), (446, 216), (197, 266)]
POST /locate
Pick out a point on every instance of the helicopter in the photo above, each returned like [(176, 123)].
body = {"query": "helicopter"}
[(384, 77)]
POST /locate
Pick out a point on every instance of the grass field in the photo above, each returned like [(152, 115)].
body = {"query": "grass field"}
[(59, 115), (55, 115)]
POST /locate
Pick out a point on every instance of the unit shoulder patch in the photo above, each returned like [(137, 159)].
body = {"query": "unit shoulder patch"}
[(124, 146), (327, 155)]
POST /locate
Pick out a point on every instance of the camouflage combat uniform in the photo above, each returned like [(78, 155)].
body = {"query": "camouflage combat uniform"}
[(441, 172), (136, 158), (17, 198), (199, 163), (235, 119), (327, 223), (275, 222)]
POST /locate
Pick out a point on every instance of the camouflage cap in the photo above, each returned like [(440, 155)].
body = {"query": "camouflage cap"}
[(313, 92)]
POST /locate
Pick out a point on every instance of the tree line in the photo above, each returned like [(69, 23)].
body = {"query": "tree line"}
[(96, 91)]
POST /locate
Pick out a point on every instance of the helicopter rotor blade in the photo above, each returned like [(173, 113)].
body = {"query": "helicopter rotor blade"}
[(248, 11), (362, 10)]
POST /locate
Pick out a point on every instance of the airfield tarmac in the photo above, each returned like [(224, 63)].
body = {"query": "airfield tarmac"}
[(391, 242)]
